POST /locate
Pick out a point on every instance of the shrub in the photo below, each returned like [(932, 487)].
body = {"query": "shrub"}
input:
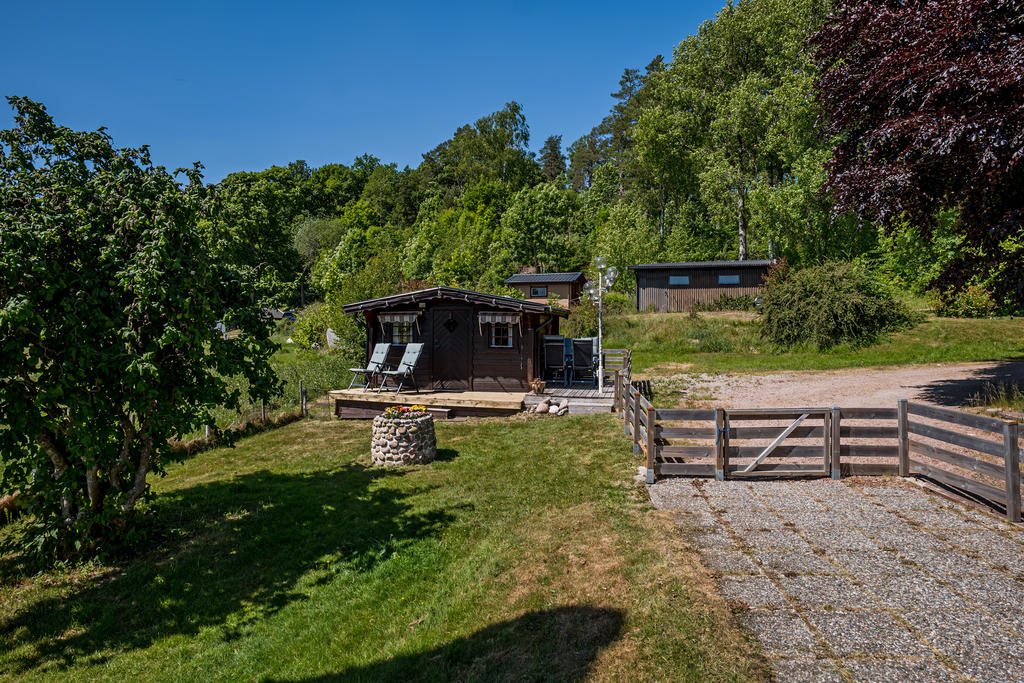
[(973, 301), (582, 321), (828, 305)]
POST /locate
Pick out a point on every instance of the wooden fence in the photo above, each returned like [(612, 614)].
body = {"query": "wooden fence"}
[(821, 441)]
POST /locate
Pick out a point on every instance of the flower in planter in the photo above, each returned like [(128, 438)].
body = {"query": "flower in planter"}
[(406, 411)]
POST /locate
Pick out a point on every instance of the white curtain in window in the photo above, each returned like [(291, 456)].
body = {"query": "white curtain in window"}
[(398, 317)]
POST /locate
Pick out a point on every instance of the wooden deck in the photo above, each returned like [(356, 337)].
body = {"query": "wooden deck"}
[(359, 404), (582, 399)]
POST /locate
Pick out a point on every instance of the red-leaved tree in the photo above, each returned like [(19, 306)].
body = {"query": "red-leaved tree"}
[(927, 97)]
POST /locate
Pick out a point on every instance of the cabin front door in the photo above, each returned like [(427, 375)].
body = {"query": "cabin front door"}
[(453, 348)]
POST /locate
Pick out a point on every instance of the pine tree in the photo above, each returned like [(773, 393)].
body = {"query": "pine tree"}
[(552, 160)]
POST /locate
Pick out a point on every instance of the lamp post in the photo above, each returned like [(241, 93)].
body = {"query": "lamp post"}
[(605, 279)]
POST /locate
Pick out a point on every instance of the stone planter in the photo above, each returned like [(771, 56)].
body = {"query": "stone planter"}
[(403, 440)]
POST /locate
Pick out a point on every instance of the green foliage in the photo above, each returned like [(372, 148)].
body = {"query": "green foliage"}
[(627, 238), (541, 228), (582, 321), (824, 306), (914, 260), (973, 301), (252, 230), (108, 306)]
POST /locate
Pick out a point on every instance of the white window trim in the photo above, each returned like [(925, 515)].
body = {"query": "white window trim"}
[(535, 295), (494, 327)]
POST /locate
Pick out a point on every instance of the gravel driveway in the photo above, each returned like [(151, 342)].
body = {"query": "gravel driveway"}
[(944, 384), (860, 578)]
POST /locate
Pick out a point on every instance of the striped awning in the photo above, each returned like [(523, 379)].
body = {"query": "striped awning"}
[(499, 318), (398, 317)]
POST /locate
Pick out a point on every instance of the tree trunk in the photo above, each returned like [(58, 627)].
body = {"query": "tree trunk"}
[(660, 220), (741, 219)]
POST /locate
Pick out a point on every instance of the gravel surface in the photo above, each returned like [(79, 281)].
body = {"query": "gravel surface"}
[(845, 581), (944, 384)]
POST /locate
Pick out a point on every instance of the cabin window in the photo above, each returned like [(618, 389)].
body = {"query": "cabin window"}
[(678, 280), (537, 292), (401, 333), (728, 279), (501, 336)]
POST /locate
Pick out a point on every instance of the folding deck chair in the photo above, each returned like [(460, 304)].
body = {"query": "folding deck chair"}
[(406, 369), (376, 366)]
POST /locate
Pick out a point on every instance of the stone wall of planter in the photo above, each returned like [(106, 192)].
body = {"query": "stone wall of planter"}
[(403, 440)]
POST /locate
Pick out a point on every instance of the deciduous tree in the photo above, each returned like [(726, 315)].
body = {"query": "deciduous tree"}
[(108, 347), (928, 98)]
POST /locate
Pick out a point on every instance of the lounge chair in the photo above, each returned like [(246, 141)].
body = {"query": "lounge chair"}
[(406, 369), (376, 366), (583, 361), (554, 360)]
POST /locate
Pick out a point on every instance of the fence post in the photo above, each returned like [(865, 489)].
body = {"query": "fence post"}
[(651, 447), (617, 392), (207, 428), (627, 397), (263, 411), (903, 436), (837, 442), (636, 419), (1011, 432), (721, 443), (304, 413), (301, 393)]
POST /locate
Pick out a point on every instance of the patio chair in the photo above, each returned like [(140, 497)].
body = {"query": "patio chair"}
[(554, 360), (406, 369), (376, 365), (584, 365)]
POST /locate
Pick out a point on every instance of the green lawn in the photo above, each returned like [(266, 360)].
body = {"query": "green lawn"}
[(667, 343), (523, 553)]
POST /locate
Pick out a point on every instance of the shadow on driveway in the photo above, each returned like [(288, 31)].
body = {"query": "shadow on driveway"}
[(956, 393)]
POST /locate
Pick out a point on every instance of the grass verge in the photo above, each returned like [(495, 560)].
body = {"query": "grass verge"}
[(522, 553), (667, 343)]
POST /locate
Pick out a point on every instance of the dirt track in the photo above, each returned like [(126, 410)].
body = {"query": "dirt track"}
[(947, 384)]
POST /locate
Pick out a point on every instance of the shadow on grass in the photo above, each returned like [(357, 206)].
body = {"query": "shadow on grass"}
[(446, 454), (558, 644), (233, 552), (955, 393)]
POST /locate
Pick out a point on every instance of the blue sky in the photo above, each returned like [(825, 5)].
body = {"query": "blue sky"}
[(242, 86)]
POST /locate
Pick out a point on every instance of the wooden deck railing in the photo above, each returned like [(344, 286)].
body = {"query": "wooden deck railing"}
[(710, 442)]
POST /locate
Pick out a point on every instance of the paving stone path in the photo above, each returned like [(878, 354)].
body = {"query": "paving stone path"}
[(861, 581)]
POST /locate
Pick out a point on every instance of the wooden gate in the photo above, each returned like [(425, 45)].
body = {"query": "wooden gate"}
[(811, 427)]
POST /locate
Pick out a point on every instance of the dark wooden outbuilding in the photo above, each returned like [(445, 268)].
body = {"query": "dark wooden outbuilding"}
[(472, 341), (666, 287), (566, 287)]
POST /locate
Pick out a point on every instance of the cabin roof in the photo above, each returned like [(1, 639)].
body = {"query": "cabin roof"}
[(702, 264), (531, 278), (453, 294)]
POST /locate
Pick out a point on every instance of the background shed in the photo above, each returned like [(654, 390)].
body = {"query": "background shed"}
[(565, 287), (666, 287)]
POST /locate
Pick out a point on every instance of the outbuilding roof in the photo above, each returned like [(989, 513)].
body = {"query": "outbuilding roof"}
[(531, 278), (453, 294), (703, 264)]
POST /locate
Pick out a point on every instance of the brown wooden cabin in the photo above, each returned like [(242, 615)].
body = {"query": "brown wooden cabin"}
[(472, 341), (667, 287), (539, 287)]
